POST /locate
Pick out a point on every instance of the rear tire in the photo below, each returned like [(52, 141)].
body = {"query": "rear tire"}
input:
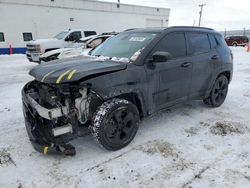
[(115, 124), (218, 93)]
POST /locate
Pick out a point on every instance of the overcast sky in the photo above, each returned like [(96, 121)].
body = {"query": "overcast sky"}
[(218, 14)]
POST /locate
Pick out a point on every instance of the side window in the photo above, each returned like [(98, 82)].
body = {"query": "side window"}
[(2, 37), (174, 43), (220, 40), (89, 33), (27, 37), (199, 43), (74, 36), (213, 41)]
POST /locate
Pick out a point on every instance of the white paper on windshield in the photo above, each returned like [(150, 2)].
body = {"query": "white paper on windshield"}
[(137, 39)]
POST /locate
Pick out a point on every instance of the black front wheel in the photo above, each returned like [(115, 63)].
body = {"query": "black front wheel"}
[(218, 93), (115, 124)]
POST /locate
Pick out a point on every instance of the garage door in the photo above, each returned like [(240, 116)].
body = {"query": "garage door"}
[(154, 23)]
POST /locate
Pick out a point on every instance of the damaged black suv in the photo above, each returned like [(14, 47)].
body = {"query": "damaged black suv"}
[(132, 75)]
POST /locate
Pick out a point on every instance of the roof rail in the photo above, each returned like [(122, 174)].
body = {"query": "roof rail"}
[(192, 27), (130, 29)]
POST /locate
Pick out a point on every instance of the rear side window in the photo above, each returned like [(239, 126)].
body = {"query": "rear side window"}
[(220, 41), (213, 41), (89, 33), (2, 37), (27, 37), (245, 39), (174, 43), (199, 43)]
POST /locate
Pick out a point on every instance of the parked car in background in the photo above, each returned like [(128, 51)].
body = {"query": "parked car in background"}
[(63, 39), (80, 47), (125, 79), (237, 41)]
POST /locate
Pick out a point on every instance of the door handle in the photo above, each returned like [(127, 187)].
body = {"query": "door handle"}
[(215, 57), (186, 64)]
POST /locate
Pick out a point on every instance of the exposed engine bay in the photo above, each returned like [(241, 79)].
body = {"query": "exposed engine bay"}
[(57, 114)]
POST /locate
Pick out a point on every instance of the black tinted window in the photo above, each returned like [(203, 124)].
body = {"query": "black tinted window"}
[(174, 43), (213, 41), (245, 38), (27, 37), (75, 36), (199, 42), (89, 33), (2, 37)]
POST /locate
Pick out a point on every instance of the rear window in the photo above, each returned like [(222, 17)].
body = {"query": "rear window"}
[(199, 43), (27, 37), (2, 37), (89, 33)]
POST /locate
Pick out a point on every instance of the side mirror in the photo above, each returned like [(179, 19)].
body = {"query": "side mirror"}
[(159, 57)]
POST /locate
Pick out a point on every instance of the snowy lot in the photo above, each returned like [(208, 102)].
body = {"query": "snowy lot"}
[(187, 146)]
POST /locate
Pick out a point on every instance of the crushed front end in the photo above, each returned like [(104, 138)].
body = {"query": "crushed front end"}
[(55, 114)]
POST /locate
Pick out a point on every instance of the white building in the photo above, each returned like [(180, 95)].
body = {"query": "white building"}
[(46, 18)]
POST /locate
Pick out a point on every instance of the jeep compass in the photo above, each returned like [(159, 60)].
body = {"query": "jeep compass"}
[(130, 76)]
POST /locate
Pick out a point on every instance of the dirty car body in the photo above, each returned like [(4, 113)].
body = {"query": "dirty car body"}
[(70, 97)]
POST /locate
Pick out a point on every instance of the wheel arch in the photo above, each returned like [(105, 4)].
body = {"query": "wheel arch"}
[(227, 74), (135, 99), (235, 42)]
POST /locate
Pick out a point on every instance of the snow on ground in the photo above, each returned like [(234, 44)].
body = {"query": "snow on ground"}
[(187, 146)]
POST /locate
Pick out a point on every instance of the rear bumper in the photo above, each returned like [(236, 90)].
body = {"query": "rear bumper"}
[(40, 130)]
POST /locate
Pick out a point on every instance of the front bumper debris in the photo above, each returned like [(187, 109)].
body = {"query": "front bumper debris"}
[(44, 112), (44, 138)]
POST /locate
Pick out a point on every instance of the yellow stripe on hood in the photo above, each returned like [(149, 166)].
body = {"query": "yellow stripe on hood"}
[(46, 75), (61, 77), (71, 74)]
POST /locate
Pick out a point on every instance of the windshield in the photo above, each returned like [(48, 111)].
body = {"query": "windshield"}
[(61, 35), (124, 45)]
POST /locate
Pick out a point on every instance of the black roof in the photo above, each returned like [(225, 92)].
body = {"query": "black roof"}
[(191, 27), (147, 29), (160, 29)]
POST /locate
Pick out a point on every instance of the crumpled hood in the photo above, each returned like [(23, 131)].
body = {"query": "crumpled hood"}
[(73, 69)]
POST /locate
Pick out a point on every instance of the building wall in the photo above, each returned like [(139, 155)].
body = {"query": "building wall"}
[(46, 18)]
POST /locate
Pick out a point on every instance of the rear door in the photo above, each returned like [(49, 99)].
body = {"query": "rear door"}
[(205, 59), (173, 76)]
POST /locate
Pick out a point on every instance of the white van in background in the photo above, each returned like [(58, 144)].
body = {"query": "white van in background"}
[(63, 39)]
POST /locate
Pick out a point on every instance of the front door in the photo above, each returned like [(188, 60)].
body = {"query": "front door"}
[(173, 77)]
